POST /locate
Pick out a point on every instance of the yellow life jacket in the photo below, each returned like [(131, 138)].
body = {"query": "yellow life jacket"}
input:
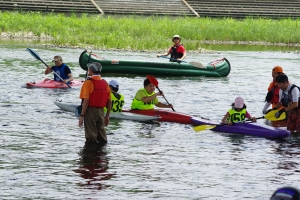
[(140, 105), (116, 102), (236, 116)]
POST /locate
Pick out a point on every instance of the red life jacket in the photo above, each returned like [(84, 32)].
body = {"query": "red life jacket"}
[(175, 54), (99, 97), (275, 98), (273, 94)]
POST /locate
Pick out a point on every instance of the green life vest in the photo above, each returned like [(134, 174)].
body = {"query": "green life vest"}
[(140, 105), (236, 116), (116, 102)]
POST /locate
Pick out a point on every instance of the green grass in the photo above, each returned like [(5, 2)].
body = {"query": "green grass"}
[(147, 33)]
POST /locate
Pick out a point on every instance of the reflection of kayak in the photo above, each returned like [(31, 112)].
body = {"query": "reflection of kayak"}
[(166, 115), (48, 83), (216, 68), (250, 128), (127, 116)]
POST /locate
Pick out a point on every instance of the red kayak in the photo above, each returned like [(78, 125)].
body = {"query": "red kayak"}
[(166, 115), (48, 83)]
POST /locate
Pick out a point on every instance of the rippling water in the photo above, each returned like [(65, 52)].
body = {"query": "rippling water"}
[(44, 155)]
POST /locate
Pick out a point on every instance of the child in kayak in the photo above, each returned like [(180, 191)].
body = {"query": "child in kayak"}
[(117, 99), (237, 113)]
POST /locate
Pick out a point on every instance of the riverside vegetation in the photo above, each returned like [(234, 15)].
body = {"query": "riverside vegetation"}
[(144, 33)]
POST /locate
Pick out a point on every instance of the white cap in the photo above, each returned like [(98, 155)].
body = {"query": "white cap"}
[(114, 83), (239, 102), (176, 36)]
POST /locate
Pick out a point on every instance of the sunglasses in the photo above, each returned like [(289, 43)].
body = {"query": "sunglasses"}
[(176, 38)]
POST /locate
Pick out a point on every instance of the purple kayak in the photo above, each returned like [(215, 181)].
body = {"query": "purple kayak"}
[(250, 128)]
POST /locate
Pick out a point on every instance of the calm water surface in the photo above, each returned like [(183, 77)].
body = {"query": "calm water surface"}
[(44, 156)]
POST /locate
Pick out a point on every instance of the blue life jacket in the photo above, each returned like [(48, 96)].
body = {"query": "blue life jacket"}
[(61, 72)]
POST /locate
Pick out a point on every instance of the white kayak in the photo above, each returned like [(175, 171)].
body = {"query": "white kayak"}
[(71, 107)]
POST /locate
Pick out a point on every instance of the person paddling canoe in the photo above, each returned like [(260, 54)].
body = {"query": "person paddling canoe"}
[(272, 97), (146, 98), (61, 69), (237, 113), (177, 51)]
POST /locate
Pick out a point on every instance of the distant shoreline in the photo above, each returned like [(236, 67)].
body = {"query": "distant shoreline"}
[(47, 39)]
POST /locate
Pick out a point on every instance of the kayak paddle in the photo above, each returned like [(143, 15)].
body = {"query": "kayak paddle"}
[(36, 56), (207, 126), (89, 61), (153, 80), (271, 115), (196, 64)]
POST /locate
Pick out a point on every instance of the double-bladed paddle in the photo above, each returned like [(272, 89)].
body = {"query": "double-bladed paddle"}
[(153, 80), (88, 62), (208, 126), (36, 56), (196, 64), (271, 115)]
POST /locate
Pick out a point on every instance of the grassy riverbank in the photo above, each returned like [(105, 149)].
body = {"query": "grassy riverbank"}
[(145, 33)]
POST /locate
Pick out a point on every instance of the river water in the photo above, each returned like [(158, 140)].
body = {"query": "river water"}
[(44, 156)]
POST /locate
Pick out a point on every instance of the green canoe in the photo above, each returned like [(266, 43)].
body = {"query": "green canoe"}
[(217, 68)]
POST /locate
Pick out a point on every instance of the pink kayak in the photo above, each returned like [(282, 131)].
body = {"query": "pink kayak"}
[(48, 83)]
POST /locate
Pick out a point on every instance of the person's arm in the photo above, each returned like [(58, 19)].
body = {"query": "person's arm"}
[(267, 105), (248, 116), (164, 54), (108, 107), (85, 105), (69, 79), (147, 99), (224, 120), (278, 105), (68, 71), (291, 107), (295, 95), (183, 57), (48, 69)]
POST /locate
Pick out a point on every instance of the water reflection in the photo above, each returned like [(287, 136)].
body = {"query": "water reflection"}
[(289, 149), (93, 166)]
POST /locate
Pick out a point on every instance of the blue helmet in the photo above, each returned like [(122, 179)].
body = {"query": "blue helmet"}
[(286, 193)]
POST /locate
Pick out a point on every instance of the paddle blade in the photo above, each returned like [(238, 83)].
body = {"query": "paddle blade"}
[(33, 53), (271, 115), (152, 80), (203, 127), (197, 64)]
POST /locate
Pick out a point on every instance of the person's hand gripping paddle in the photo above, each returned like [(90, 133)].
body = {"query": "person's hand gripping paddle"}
[(153, 80)]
